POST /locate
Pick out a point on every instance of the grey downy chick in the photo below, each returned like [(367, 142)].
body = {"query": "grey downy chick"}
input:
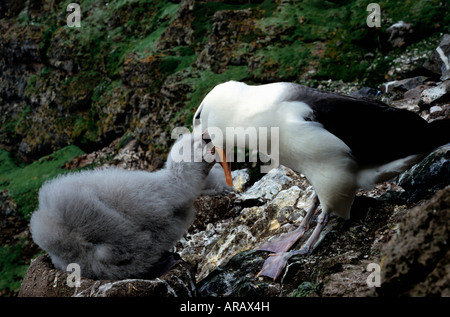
[(215, 183), (117, 223)]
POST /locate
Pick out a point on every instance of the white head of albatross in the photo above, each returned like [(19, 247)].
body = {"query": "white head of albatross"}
[(339, 143)]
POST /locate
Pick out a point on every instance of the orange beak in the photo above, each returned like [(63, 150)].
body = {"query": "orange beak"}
[(226, 166)]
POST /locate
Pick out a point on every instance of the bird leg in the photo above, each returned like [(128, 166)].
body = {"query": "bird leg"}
[(284, 242), (309, 245), (274, 265)]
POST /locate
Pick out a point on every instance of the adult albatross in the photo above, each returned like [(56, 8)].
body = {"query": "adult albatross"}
[(339, 143)]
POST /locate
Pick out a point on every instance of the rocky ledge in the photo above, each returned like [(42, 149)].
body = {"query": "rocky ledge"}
[(405, 235), (43, 280)]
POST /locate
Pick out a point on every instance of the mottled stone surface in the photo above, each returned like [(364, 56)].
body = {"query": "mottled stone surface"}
[(416, 262), (43, 280)]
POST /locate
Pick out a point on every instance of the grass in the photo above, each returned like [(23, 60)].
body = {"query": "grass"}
[(12, 267), (24, 180)]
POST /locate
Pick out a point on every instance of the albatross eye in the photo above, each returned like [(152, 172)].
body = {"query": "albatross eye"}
[(206, 137)]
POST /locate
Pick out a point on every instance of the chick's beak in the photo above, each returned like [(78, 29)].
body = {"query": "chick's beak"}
[(226, 166)]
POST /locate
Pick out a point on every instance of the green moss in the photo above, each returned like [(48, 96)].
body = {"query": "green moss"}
[(81, 86), (112, 30), (284, 62), (13, 124), (169, 64), (12, 267), (306, 21), (23, 17), (204, 12), (306, 289), (346, 56), (427, 16), (23, 182), (85, 129)]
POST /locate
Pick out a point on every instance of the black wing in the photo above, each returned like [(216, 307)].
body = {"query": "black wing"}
[(375, 132)]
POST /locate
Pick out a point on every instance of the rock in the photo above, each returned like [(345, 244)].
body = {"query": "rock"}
[(416, 262), (242, 222), (411, 104), (130, 156), (434, 94), (439, 61), (237, 278), (387, 87), (287, 197), (226, 239), (419, 95), (43, 280), (425, 178), (240, 179), (141, 72), (406, 92), (227, 30), (410, 100), (409, 83), (402, 85), (350, 281), (223, 206), (269, 185), (366, 92), (9, 8), (20, 57), (21, 44), (410, 59), (180, 31), (11, 222), (62, 52), (439, 112), (399, 33)]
